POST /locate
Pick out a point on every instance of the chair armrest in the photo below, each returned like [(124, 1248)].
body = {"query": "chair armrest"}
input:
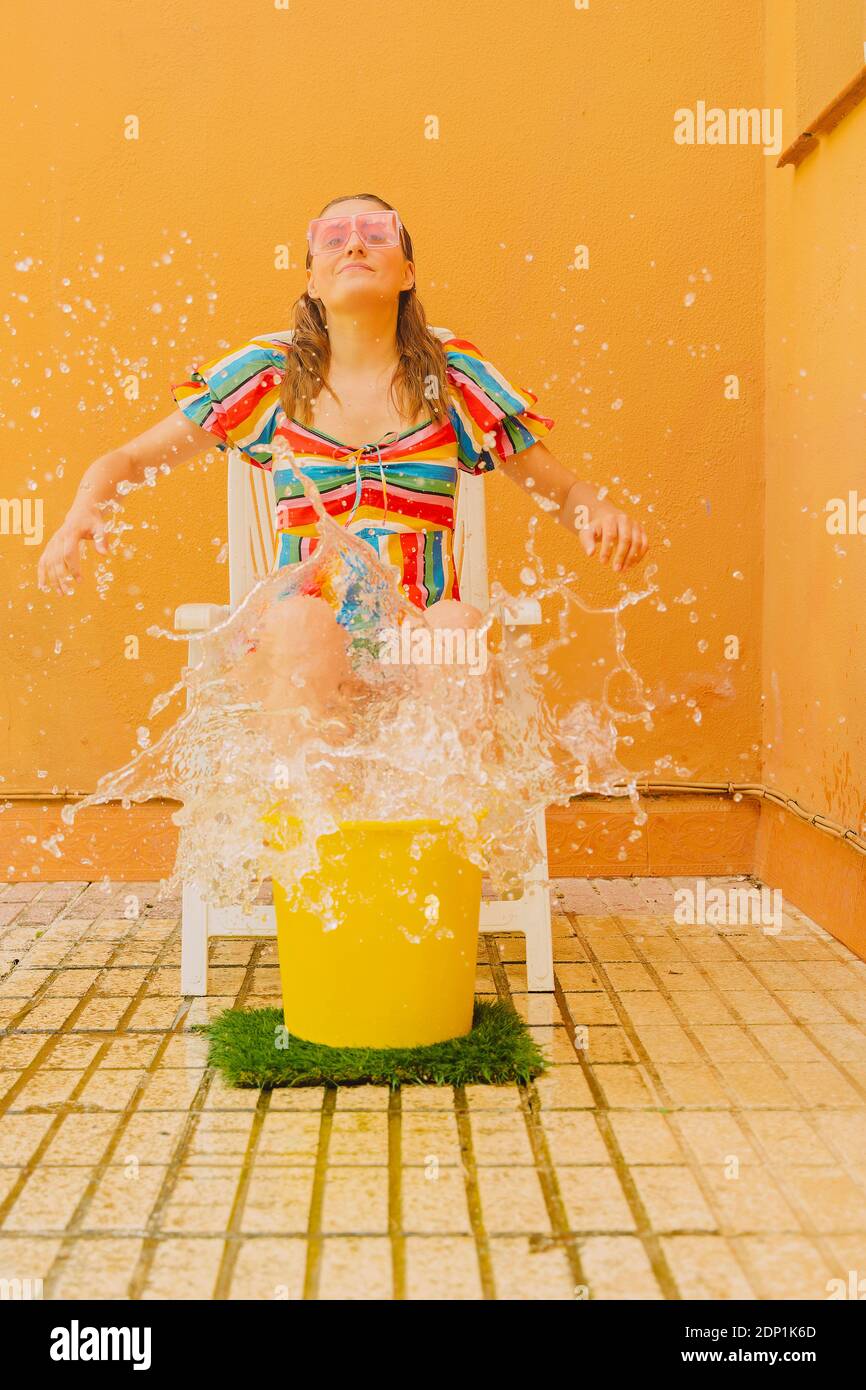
[(199, 617), (521, 612)]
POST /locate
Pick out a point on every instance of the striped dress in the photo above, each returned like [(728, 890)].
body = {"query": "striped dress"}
[(397, 493)]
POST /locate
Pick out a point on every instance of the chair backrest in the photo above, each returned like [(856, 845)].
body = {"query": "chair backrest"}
[(252, 511)]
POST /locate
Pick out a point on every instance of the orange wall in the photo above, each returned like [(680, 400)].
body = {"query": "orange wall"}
[(814, 655), (556, 129)]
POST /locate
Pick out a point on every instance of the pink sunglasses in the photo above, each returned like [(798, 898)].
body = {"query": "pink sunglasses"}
[(380, 228)]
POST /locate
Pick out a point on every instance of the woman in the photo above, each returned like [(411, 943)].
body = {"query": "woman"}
[(360, 364)]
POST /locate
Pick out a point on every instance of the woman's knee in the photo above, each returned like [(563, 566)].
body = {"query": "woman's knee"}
[(452, 612)]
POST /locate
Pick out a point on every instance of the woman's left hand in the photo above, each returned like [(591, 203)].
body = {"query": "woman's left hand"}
[(614, 536)]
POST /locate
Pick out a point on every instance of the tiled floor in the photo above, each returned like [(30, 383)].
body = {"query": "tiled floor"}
[(701, 1134)]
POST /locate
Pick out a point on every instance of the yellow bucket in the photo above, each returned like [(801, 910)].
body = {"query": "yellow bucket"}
[(396, 970)]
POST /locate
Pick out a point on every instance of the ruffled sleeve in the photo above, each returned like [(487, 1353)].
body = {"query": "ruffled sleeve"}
[(236, 396), (493, 419)]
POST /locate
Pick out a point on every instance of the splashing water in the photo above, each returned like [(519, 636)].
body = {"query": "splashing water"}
[(357, 719)]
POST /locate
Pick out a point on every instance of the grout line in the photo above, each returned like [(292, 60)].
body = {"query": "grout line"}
[(313, 1270), (395, 1194), (473, 1195), (234, 1225)]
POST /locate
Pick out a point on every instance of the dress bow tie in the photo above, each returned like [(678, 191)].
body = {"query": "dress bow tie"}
[(355, 454)]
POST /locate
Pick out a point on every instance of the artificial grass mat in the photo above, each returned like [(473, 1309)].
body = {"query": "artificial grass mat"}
[(244, 1048)]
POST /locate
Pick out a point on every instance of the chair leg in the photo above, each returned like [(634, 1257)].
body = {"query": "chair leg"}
[(194, 939), (539, 938), (539, 923)]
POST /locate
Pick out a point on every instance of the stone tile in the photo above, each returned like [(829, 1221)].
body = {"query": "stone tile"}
[(672, 1198), (363, 1098), (442, 1268), (594, 1200), (646, 1006), (714, 1137), (46, 1088), (356, 1267), (823, 1084), (434, 1201), (355, 1201), (358, 1138), (150, 1137), (618, 1267), (791, 1137), (287, 1138), (624, 1086), (500, 1137), (20, 1136), (573, 1137), (575, 976), (124, 1198), (97, 1268), (786, 1267), (691, 1084), (47, 1200), (270, 1269), (219, 1138), (663, 1043), (512, 1201), (430, 1135), (757, 1084), (492, 1097), (591, 1006), (644, 1137), (706, 1267), (110, 1089), (174, 1089), (27, 1257), (201, 1201), (747, 1200), (292, 1098), (832, 1201), (184, 1269), (17, 1050), (80, 1139), (755, 1006), (526, 1270)]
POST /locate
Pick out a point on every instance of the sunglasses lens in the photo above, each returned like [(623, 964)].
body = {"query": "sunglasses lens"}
[(329, 234), (378, 228)]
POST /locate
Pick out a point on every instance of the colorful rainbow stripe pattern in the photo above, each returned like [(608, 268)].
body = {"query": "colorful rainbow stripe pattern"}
[(399, 495)]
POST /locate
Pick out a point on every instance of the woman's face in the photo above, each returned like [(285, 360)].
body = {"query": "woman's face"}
[(357, 276)]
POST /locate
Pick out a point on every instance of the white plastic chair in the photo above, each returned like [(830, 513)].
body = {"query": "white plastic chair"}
[(251, 555)]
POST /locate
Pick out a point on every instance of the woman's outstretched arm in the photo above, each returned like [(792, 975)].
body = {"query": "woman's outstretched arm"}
[(594, 520), (161, 448)]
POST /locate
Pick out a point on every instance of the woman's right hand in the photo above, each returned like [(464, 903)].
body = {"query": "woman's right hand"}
[(60, 562), (159, 449)]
